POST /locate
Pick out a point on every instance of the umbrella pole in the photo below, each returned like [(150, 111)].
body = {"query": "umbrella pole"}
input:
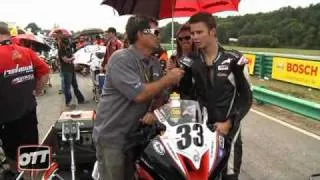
[(172, 33), (172, 23)]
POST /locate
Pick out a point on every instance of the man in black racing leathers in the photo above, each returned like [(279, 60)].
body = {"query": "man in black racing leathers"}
[(219, 81)]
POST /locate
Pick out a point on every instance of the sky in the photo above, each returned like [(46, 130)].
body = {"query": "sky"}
[(82, 14)]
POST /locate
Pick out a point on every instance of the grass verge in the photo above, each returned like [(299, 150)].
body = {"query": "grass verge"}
[(297, 91), (277, 50)]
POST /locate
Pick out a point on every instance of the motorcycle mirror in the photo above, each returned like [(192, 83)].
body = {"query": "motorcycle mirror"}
[(100, 55), (205, 115)]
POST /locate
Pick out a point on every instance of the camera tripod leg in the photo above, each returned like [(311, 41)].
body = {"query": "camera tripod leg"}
[(57, 176), (73, 167), (20, 175)]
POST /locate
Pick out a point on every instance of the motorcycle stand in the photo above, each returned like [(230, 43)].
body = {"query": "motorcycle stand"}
[(71, 133)]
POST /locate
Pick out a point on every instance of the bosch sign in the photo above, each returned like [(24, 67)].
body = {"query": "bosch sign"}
[(302, 69)]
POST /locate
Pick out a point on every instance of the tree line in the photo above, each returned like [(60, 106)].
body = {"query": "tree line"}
[(286, 27)]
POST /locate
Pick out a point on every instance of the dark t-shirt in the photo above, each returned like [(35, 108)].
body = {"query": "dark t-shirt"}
[(67, 52), (19, 69)]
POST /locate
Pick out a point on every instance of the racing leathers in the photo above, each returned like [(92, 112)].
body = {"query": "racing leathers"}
[(224, 89)]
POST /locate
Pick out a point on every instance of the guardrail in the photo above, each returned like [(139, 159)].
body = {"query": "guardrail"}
[(300, 106)]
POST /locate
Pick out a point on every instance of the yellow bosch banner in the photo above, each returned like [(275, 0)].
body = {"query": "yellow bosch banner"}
[(303, 72), (251, 61)]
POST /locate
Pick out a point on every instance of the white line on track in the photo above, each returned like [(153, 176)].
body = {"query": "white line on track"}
[(287, 124)]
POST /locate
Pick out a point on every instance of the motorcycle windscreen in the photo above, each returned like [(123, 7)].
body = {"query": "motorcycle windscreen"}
[(189, 110)]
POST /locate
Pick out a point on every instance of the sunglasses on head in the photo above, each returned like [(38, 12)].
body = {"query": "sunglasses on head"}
[(187, 38), (155, 32)]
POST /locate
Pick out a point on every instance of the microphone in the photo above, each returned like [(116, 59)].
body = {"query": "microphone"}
[(185, 62)]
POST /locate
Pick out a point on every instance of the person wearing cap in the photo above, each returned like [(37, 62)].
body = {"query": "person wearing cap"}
[(66, 59), (112, 44), (81, 43), (98, 41), (22, 76)]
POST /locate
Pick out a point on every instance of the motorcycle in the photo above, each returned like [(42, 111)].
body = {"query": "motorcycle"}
[(179, 145), (97, 77), (53, 60), (179, 148), (83, 57)]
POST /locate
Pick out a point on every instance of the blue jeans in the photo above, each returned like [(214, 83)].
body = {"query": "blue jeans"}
[(62, 81), (69, 79)]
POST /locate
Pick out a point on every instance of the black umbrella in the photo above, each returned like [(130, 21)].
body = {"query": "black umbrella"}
[(162, 9), (146, 7), (87, 32)]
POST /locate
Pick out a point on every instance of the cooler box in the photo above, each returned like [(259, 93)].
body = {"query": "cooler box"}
[(84, 149)]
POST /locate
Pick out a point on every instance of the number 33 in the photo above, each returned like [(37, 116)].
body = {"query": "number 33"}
[(186, 140)]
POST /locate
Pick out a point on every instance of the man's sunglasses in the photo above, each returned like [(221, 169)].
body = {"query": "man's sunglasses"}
[(155, 32), (187, 38)]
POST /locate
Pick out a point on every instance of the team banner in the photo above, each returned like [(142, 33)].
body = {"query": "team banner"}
[(251, 61), (303, 72)]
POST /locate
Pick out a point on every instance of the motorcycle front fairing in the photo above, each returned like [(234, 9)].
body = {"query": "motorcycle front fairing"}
[(158, 163), (187, 149), (83, 56)]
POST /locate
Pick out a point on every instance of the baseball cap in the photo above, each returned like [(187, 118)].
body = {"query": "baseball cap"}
[(112, 30)]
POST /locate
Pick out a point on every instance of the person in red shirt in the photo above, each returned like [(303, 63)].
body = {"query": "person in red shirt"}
[(22, 76), (98, 41), (81, 43), (112, 44)]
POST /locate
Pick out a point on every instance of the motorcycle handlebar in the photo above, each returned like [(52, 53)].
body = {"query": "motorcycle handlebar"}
[(212, 127), (144, 134), (159, 127)]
